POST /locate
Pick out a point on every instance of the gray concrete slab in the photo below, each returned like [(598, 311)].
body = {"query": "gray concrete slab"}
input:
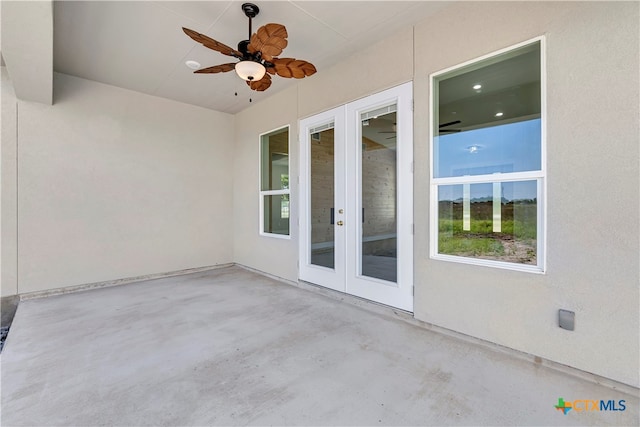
[(231, 347)]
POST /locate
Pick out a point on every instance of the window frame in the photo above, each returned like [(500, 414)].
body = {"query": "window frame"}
[(264, 193), (539, 175)]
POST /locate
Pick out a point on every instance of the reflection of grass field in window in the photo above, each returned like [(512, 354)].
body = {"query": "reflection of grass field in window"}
[(515, 243)]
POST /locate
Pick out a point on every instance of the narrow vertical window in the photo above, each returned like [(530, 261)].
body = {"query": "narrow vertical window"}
[(487, 173), (274, 183)]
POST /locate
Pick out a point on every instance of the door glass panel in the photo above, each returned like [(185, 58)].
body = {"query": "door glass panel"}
[(322, 198), (378, 240)]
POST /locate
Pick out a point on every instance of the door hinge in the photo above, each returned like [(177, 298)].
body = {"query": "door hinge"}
[(411, 167), (413, 229), (412, 105)]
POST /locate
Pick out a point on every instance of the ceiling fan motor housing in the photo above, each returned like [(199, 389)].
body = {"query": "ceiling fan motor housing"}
[(250, 10), (243, 48)]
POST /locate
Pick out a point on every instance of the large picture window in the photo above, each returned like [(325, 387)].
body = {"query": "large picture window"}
[(487, 149), (274, 183)]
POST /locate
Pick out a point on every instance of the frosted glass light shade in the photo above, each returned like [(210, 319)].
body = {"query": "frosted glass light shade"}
[(250, 70)]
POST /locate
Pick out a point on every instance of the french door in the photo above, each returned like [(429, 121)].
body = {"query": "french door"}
[(356, 206)]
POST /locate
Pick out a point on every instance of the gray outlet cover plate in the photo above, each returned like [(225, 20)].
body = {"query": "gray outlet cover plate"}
[(566, 319)]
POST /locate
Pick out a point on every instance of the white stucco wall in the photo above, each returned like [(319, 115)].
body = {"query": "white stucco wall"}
[(8, 171), (115, 184), (593, 178), (269, 254), (592, 183)]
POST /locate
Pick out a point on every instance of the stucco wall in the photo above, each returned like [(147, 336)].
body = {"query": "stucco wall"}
[(8, 171), (273, 255), (592, 186), (115, 184), (592, 183)]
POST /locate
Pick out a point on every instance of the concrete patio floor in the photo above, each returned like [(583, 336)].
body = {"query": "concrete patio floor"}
[(232, 347)]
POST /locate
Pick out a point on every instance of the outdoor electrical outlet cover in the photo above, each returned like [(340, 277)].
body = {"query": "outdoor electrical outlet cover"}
[(566, 319)]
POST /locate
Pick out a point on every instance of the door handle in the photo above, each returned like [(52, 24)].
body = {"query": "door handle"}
[(340, 223)]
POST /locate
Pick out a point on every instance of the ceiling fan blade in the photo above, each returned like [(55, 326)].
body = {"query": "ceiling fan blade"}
[(291, 67), (449, 130), (222, 68), (262, 84), (269, 40), (211, 43), (449, 124)]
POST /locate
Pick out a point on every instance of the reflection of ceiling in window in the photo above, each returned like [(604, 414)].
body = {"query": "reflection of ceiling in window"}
[(380, 132), (509, 92), (278, 159)]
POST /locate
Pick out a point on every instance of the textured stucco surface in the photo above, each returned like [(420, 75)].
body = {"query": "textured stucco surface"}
[(115, 184)]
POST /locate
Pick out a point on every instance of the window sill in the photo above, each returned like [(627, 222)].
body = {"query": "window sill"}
[(490, 263), (276, 236)]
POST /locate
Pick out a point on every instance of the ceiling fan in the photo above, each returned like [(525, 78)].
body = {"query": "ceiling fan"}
[(258, 55), (444, 125)]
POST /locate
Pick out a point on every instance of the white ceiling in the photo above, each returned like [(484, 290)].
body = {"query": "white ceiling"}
[(139, 45)]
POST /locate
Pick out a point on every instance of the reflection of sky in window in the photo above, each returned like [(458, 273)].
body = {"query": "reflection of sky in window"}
[(513, 147), (517, 190)]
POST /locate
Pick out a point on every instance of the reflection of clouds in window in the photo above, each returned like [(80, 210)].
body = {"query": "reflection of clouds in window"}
[(513, 147)]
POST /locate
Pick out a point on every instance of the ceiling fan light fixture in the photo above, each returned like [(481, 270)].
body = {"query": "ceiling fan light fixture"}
[(250, 70)]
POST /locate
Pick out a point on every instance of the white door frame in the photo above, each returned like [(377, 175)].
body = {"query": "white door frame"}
[(399, 294), (346, 275), (330, 278)]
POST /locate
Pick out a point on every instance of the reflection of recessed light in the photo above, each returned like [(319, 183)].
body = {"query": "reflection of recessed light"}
[(478, 86), (194, 65), (499, 114), (473, 148)]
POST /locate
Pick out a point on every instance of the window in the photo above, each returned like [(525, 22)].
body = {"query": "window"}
[(274, 183), (487, 182)]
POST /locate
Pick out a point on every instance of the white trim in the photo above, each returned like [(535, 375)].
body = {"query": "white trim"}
[(489, 178), (542, 212), (539, 175), (327, 277), (274, 192), (489, 263), (398, 294), (491, 55), (345, 277), (263, 193)]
